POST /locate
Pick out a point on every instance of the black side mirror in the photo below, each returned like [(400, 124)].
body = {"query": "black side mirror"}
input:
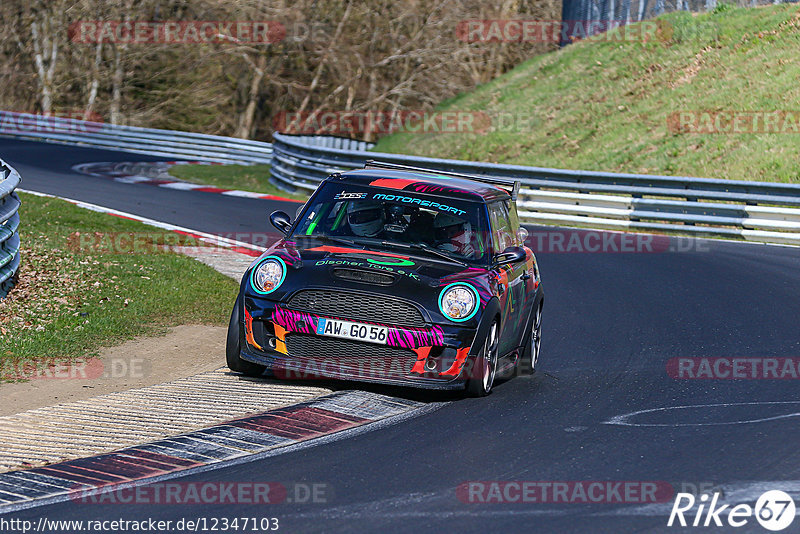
[(511, 255), (281, 221)]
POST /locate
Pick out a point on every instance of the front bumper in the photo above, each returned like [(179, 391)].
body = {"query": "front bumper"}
[(285, 341)]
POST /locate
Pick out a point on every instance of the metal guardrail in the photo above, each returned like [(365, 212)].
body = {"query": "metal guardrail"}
[(303, 161), (757, 211), (9, 223), (154, 142)]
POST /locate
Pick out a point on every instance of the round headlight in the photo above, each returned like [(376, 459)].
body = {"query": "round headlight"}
[(459, 302), (269, 275)]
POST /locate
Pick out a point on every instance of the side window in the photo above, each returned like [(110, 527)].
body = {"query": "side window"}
[(513, 217), (324, 214), (502, 234), (334, 218)]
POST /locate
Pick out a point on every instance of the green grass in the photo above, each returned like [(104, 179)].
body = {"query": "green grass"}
[(72, 300), (604, 105), (253, 178)]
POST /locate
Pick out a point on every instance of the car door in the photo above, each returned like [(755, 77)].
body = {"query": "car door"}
[(529, 275), (511, 284)]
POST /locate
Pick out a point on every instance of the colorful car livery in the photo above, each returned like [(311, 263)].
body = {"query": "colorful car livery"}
[(396, 275)]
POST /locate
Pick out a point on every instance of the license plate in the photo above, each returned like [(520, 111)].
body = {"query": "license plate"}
[(348, 330)]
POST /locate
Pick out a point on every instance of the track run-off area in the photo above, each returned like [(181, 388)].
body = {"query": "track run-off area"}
[(631, 394)]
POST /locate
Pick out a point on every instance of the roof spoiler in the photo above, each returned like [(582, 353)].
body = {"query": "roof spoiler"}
[(511, 186)]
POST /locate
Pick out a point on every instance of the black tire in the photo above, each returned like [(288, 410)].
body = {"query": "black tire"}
[(533, 343), (233, 348), (484, 366)]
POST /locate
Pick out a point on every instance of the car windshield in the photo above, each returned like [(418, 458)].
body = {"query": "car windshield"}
[(367, 215)]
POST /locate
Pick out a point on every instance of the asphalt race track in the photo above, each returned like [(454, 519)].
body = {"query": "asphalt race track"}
[(612, 322), (47, 168)]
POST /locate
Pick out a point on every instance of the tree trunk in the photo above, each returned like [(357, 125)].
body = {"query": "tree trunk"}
[(94, 84), (117, 78), (247, 118), (642, 9), (626, 12), (45, 49)]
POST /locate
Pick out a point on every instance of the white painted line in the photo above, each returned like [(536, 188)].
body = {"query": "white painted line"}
[(184, 186), (625, 419), (211, 238), (132, 179), (244, 194)]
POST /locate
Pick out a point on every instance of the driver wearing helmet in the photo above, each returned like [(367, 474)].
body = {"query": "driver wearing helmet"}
[(453, 234), (366, 219)]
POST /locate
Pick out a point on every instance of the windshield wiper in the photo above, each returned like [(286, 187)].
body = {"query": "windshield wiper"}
[(427, 248), (440, 253)]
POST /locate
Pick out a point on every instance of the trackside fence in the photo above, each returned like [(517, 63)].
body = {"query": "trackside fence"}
[(163, 143), (9, 224), (756, 211)]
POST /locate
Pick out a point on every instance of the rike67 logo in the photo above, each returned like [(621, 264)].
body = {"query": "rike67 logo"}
[(774, 510)]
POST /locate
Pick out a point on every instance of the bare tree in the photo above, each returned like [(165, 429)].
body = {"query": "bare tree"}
[(344, 56), (39, 33)]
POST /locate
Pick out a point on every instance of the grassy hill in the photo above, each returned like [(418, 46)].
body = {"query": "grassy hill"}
[(604, 104)]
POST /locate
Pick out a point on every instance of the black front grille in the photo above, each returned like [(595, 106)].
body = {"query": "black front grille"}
[(342, 357), (366, 277), (357, 306)]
